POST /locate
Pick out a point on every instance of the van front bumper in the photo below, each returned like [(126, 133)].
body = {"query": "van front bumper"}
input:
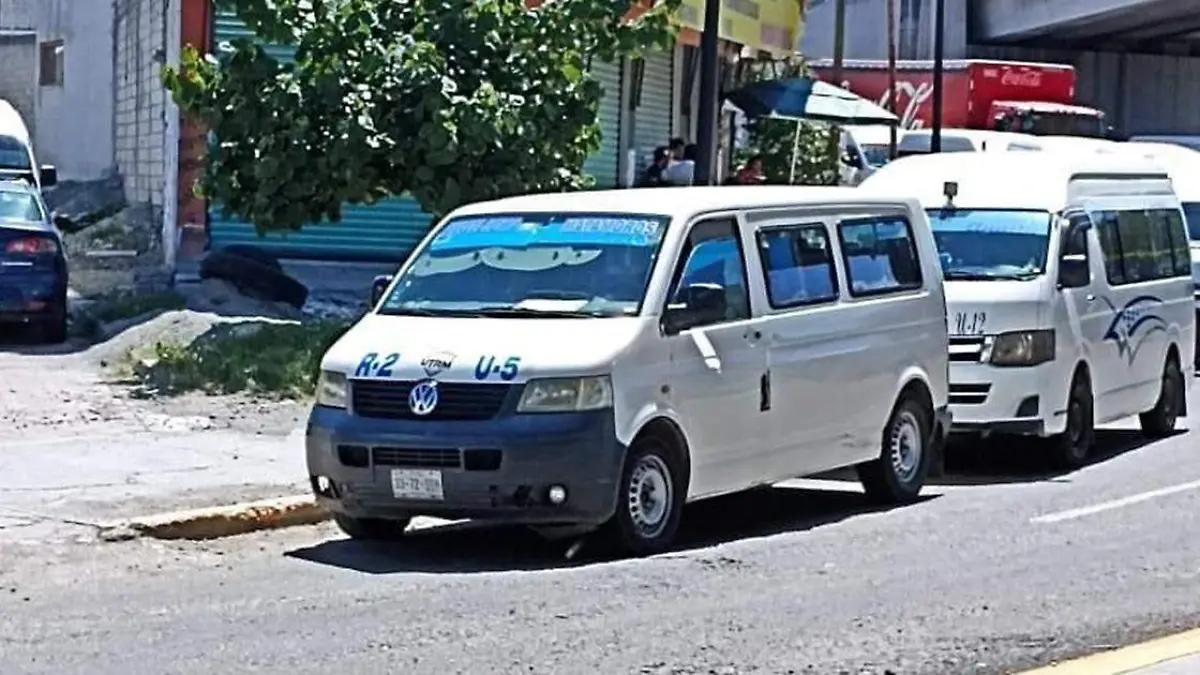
[(500, 469), (1022, 401)]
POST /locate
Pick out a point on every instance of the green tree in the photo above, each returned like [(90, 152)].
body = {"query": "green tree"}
[(774, 139), (452, 101)]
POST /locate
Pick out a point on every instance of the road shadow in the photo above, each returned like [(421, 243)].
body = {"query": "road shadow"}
[(473, 547)]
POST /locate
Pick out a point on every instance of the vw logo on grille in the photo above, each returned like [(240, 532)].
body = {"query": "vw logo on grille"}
[(423, 398)]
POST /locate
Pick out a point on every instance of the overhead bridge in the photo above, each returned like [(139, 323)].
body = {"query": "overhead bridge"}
[(1155, 26)]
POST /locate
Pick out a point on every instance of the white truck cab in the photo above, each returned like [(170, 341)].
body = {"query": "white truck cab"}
[(600, 358), (1068, 285)]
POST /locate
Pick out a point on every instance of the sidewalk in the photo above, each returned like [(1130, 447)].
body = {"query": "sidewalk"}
[(1186, 665), (63, 486)]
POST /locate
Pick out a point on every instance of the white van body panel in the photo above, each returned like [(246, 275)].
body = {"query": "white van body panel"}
[(11, 125), (1096, 327), (778, 394)]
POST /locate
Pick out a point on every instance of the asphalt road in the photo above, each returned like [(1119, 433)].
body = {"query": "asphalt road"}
[(1002, 567)]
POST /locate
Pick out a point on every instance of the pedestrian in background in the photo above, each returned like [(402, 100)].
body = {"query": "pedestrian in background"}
[(683, 171), (653, 175)]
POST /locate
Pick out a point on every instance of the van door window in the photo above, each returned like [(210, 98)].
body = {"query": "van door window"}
[(713, 256), (880, 255), (13, 154), (1177, 231), (797, 265), (1138, 245)]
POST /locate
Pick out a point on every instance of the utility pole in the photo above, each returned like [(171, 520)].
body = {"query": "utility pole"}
[(706, 124), (891, 55), (939, 58), (839, 55)]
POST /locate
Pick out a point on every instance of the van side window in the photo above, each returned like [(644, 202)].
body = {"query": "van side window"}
[(880, 255), (713, 255), (1139, 245), (798, 265), (1180, 250)]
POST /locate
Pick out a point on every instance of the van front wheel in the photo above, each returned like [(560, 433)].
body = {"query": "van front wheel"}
[(899, 473), (650, 498), (1159, 421), (1072, 447)]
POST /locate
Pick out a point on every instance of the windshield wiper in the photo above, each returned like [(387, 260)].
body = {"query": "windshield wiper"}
[(421, 311), (960, 275), (530, 313)]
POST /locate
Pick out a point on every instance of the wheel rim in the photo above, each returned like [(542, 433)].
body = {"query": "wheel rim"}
[(906, 446), (651, 495)]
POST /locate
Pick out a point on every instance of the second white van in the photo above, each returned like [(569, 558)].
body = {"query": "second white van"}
[(1069, 292), (17, 160)]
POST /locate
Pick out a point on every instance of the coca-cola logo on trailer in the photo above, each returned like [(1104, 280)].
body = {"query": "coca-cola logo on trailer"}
[(909, 99), (1025, 78)]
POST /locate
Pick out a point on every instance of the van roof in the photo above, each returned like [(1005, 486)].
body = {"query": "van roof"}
[(1182, 163), (1016, 180), (11, 123), (679, 202)]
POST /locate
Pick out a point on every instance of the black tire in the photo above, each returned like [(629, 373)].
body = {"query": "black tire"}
[(1159, 421), (1071, 449), (634, 529), (896, 476), (371, 529), (254, 253), (253, 279)]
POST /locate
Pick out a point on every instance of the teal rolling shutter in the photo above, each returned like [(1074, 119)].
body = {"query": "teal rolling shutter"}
[(603, 165), (386, 231), (653, 120)]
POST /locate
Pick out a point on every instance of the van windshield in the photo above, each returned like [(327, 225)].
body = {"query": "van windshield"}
[(1191, 213), (986, 244), (13, 154), (532, 265)]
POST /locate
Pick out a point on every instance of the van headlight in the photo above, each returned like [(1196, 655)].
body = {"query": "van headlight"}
[(1023, 348), (331, 389), (566, 394)]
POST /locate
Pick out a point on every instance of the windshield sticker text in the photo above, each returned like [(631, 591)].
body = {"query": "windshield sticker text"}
[(505, 368), (373, 365)]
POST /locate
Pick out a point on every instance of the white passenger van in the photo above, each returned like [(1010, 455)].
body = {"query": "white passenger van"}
[(1068, 290), (568, 361), (919, 141), (17, 160)]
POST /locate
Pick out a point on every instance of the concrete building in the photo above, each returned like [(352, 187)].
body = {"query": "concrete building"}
[(1139, 60)]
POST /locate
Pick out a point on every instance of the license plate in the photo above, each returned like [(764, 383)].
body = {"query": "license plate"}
[(417, 484)]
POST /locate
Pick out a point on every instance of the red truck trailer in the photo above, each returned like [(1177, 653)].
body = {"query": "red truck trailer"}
[(1036, 98)]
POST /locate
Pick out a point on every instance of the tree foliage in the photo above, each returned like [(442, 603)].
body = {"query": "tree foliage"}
[(452, 101), (775, 139)]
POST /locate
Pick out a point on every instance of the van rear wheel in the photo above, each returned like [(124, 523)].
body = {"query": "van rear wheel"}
[(899, 473), (1159, 421)]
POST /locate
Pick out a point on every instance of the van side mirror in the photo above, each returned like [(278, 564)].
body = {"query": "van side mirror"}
[(1073, 271), (695, 305), (378, 286), (49, 176)]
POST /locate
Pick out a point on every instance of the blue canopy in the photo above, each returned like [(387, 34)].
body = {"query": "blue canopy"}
[(808, 99)]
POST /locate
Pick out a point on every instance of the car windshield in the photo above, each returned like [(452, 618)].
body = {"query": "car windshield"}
[(985, 244), (13, 154), (1191, 212), (19, 207), (532, 265)]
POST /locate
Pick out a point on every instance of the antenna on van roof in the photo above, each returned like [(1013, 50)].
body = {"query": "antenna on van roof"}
[(950, 189)]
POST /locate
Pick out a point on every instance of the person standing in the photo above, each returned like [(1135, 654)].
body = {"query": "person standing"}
[(683, 171), (653, 175)]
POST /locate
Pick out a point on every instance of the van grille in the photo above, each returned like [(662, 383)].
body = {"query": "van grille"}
[(457, 401), (966, 348), (969, 394)]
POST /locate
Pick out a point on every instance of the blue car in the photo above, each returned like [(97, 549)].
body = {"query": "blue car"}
[(33, 263)]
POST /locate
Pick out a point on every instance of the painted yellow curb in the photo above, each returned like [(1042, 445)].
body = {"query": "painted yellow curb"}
[(1128, 659), (222, 521)]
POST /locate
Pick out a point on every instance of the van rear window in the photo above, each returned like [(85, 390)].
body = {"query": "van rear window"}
[(1191, 212), (13, 154)]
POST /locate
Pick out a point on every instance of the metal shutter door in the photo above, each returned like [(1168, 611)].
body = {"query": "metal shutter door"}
[(654, 117), (18, 72), (386, 231), (604, 163)]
